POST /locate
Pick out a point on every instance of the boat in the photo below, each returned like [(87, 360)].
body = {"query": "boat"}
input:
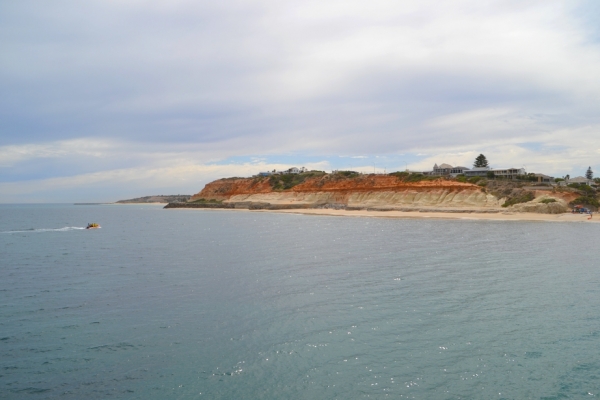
[(92, 225)]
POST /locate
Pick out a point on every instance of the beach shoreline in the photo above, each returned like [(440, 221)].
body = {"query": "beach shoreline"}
[(425, 214), (136, 204), (508, 216)]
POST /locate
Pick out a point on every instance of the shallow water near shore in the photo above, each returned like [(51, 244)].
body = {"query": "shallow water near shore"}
[(180, 304)]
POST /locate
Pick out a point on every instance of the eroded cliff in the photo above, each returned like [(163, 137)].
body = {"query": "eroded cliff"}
[(352, 191)]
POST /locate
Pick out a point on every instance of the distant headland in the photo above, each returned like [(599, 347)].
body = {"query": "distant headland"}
[(173, 198)]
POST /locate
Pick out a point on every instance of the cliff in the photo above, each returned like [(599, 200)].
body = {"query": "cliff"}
[(345, 191), (398, 191)]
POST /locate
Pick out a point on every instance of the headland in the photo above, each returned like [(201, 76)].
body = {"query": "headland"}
[(396, 195), (158, 199)]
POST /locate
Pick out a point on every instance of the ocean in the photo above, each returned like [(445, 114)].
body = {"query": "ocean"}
[(194, 304)]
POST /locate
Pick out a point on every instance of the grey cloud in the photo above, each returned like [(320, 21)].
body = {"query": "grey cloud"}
[(316, 78)]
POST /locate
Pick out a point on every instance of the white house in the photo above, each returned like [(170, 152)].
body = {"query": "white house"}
[(580, 179), (447, 169), (509, 173)]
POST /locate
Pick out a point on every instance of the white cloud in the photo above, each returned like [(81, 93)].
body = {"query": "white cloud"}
[(572, 154), (12, 154), (138, 86), (110, 185)]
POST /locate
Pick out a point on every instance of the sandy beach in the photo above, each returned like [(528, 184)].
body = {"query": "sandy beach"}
[(502, 216), (136, 204)]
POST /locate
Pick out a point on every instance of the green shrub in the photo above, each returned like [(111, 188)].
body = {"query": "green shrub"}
[(529, 177), (586, 200), (400, 174), (521, 198), (548, 201), (288, 181), (583, 187), (413, 177), (348, 174)]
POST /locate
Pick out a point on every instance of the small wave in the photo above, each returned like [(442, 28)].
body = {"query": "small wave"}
[(65, 229)]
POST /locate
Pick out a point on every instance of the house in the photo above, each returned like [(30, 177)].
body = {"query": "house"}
[(477, 171), (293, 170), (541, 178), (442, 170), (580, 179), (447, 169), (510, 173), (458, 170)]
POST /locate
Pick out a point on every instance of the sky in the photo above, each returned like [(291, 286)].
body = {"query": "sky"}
[(108, 100)]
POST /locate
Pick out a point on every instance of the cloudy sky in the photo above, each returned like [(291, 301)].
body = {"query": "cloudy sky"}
[(105, 100)]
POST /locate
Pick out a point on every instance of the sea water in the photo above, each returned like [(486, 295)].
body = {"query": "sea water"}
[(186, 304)]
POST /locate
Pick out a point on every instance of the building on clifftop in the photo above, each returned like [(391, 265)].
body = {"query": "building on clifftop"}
[(447, 170), (509, 173)]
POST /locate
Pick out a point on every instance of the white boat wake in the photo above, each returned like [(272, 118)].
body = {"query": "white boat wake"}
[(65, 229)]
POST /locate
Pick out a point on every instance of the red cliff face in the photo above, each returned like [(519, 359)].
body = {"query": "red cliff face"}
[(223, 189)]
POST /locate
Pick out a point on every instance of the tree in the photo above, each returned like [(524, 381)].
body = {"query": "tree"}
[(589, 174), (481, 162)]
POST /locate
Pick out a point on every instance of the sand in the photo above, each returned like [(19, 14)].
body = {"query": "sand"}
[(137, 204), (502, 216)]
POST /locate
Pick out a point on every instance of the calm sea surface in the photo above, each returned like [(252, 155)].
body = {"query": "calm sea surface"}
[(184, 304)]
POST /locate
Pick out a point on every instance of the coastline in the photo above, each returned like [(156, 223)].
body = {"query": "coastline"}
[(508, 216), (136, 204), (424, 214)]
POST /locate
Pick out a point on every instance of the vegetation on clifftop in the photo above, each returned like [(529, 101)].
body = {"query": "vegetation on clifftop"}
[(288, 181), (513, 192), (523, 197), (347, 174), (413, 177), (474, 179), (172, 198)]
